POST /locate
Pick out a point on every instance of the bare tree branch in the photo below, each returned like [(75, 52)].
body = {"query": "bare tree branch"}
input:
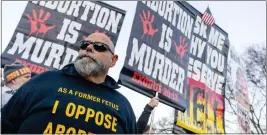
[(231, 105), (260, 115), (254, 59)]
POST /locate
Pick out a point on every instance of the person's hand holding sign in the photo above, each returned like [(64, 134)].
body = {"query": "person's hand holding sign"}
[(154, 102)]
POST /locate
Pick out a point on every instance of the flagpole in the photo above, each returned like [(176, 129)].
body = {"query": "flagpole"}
[(152, 116)]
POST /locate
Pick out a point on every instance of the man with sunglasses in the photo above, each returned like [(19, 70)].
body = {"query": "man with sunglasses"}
[(79, 98)]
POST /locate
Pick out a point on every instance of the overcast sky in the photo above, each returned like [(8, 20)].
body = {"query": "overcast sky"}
[(244, 21)]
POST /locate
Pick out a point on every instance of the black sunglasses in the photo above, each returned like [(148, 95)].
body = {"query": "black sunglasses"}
[(98, 46)]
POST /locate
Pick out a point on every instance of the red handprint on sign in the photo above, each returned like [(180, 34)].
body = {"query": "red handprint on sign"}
[(37, 20), (97, 31), (147, 24), (181, 49)]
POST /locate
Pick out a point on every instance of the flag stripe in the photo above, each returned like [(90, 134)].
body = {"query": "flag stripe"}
[(207, 17)]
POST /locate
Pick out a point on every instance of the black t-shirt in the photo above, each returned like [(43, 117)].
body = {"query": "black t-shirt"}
[(64, 102)]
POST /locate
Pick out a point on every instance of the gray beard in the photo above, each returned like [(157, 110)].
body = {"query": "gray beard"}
[(89, 66)]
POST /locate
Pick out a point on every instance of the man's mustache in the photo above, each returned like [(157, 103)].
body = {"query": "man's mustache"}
[(86, 55)]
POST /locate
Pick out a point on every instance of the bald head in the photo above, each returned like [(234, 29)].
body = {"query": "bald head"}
[(95, 63), (100, 37)]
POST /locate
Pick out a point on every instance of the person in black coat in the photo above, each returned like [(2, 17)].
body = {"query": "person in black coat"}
[(78, 99), (142, 127)]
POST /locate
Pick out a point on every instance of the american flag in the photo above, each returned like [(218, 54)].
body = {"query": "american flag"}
[(207, 17)]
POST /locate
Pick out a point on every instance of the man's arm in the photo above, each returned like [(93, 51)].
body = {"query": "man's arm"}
[(143, 119), (13, 112), (132, 126)]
